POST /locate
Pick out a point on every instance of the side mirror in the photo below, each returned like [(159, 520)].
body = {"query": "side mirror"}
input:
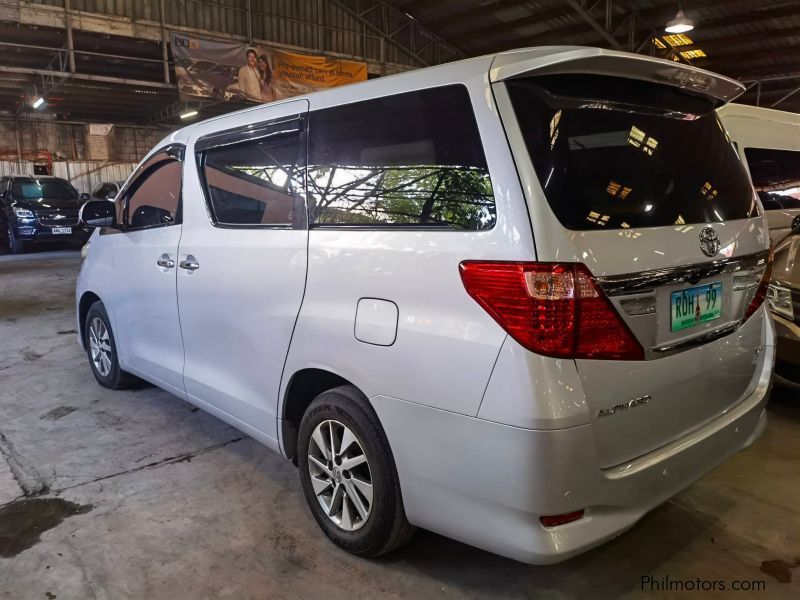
[(97, 213), (85, 197)]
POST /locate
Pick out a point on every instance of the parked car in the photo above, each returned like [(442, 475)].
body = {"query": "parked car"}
[(769, 143), (39, 209), (107, 190), (207, 78), (515, 300)]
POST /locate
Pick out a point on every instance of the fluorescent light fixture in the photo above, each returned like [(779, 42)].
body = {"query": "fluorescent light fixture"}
[(188, 114), (38, 102), (680, 24)]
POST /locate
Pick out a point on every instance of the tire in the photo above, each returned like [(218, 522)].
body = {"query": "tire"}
[(106, 370), (385, 527), (15, 246)]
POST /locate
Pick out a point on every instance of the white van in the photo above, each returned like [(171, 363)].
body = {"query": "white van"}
[(515, 300), (769, 144)]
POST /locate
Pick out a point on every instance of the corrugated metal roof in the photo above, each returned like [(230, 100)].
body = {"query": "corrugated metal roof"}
[(741, 38)]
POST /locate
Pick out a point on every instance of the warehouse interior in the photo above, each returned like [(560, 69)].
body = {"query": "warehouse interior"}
[(138, 494)]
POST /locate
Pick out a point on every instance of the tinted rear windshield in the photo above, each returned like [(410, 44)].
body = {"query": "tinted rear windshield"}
[(32, 189), (614, 153)]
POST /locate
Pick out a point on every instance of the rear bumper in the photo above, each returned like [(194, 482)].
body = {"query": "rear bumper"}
[(487, 484)]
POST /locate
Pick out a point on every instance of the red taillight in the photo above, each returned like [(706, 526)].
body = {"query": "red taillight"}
[(554, 309), (556, 520), (761, 292)]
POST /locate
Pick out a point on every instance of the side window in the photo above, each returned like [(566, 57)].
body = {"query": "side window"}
[(776, 176), (154, 197), (258, 181), (409, 160)]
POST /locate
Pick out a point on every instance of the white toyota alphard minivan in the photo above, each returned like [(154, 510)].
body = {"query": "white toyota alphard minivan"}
[(515, 300)]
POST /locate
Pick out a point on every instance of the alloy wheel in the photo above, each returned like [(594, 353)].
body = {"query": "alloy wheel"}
[(100, 347), (340, 475)]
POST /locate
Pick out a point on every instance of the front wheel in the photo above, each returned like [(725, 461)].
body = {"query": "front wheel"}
[(102, 350), (348, 474)]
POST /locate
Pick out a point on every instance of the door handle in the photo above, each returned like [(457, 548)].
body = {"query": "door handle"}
[(165, 262), (190, 264)]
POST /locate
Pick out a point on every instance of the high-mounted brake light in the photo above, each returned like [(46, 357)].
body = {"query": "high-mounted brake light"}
[(554, 309), (761, 292)]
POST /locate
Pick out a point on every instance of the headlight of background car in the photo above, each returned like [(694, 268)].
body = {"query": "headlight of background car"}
[(23, 213), (780, 301)]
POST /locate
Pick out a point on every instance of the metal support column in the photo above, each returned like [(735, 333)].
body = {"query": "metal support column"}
[(16, 139), (68, 26), (164, 40), (632, 32), (249, 17), (320, 26)]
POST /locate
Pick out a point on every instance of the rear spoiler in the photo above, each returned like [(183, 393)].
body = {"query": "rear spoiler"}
[(550, 60)]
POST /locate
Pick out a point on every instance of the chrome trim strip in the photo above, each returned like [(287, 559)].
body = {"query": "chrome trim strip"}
[(702, 339), (645, 281)]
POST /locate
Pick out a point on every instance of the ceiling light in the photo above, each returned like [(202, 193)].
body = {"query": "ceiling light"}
[(188, 114), (38, 102), (680, 24)]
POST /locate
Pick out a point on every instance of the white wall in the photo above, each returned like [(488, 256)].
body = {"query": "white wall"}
[(86, 175)]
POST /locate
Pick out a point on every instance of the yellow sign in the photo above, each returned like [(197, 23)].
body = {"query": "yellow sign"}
[(295, 74)]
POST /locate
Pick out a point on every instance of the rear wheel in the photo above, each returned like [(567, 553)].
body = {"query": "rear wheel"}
[(348, 474), (15, 246), (102, 350)]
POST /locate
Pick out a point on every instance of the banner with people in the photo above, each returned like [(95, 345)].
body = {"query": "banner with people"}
[(208, 68)]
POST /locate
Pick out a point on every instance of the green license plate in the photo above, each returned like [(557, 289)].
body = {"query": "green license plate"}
[(695, 305)]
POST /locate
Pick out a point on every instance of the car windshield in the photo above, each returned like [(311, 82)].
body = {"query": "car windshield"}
[(33, 189), (613, 153)]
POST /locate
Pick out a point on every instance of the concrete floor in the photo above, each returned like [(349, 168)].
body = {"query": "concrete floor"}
[(147, 497)]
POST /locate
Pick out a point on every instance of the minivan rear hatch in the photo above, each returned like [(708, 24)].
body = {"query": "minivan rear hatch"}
[(628, 171)]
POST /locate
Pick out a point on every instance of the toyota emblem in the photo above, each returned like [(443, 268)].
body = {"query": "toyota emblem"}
[(709, 241)]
